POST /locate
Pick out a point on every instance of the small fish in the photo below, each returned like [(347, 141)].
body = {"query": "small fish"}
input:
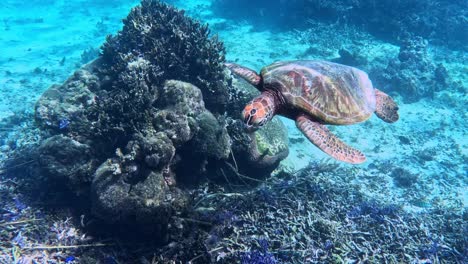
[(64, 123), (70, 259)]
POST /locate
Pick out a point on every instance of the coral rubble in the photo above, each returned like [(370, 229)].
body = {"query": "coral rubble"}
[(317, 215)]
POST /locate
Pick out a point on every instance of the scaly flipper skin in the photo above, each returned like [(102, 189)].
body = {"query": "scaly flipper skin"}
[(248, 74), (321, 137), (385, 108)]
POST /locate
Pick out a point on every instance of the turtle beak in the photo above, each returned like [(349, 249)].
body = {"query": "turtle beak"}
[(249, 123), (250, 129)]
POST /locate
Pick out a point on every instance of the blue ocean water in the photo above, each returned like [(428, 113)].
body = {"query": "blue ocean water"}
[(103, 161)]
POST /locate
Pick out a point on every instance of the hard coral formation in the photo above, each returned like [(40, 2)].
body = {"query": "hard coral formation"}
[(136, 197), (147, 119), (413, 74), (68, 161), (160, 43), (69, 101)]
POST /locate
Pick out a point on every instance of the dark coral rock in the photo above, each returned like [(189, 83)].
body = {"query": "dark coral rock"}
[(179, 106), (68, 101), (403, 178), (69, 161), (413, 74), (183, 98), (146, 204), (139, 183), (212, 139), (207, 153), (173, 46), (156, 150), (352, 57)]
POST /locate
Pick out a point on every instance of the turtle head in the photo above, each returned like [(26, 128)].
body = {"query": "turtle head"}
[(259, 111)]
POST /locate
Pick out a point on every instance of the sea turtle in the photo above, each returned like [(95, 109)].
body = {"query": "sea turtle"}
[(315, 93)]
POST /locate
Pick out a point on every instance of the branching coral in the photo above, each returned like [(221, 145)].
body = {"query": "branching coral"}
[(173, 46), (323, 218)]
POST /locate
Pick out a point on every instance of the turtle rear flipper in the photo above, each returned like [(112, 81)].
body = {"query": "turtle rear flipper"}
[(324, 139), (247, 74), (386, 109)]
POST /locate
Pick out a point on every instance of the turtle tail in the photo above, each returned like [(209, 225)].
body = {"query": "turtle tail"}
[(247, 74), (386, 109)]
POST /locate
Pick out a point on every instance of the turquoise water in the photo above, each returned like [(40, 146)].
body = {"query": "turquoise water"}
[(118, 166)]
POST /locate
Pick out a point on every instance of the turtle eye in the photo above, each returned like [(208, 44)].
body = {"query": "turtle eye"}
[(253, 111)]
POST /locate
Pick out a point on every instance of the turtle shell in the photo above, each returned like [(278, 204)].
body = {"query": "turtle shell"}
[(328, 92)]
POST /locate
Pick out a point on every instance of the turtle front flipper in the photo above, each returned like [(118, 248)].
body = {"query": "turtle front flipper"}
[(385, 108), (247, 74), (324, 139)]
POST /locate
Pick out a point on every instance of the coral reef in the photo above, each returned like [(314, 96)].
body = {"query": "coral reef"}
[(138, 185), (413, 74), (129, 138), (441, 21), (70, 101), (145, 204), (164, 175)]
